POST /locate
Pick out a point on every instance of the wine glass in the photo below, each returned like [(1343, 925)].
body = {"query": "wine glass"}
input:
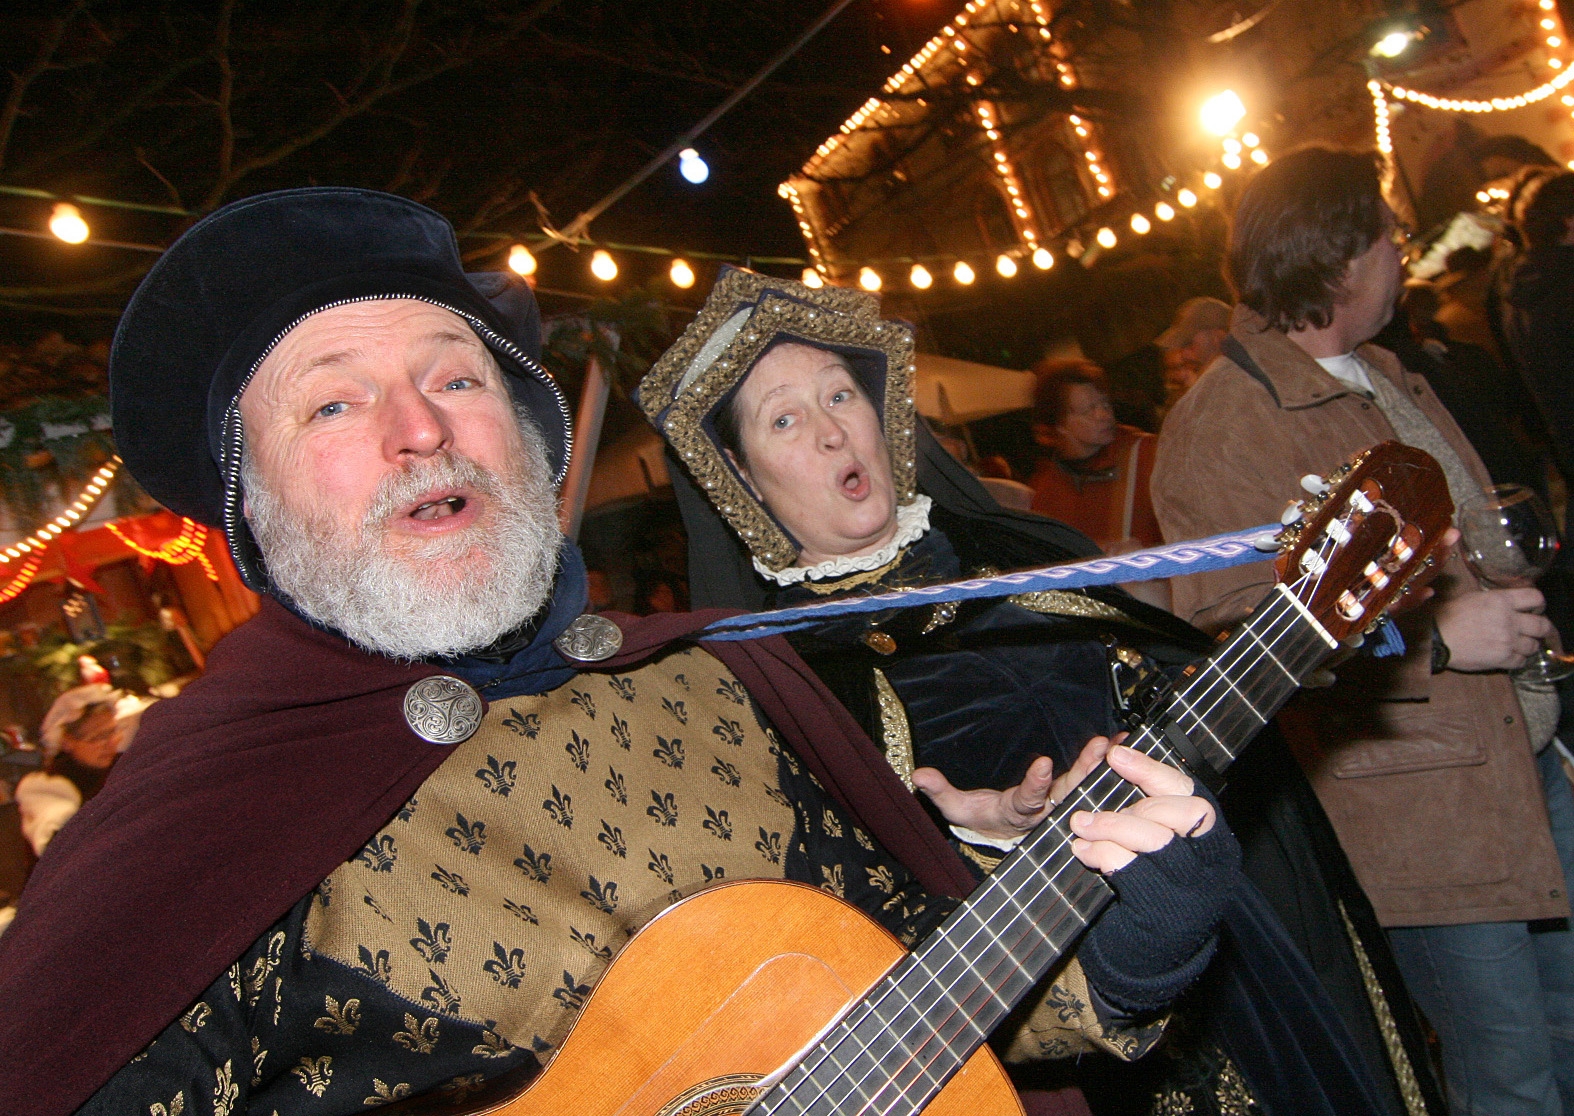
[(1510, 539)]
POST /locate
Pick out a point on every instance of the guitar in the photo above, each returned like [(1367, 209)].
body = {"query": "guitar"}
[(793, 1002)]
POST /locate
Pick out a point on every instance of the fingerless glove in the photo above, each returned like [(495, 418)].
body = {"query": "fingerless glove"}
[(1161, 931)]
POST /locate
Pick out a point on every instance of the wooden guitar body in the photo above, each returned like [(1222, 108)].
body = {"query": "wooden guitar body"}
[(720, 990)]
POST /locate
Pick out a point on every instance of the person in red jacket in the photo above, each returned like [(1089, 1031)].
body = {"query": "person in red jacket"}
[(1093, 472)]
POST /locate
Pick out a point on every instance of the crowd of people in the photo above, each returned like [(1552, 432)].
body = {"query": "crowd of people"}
[(391, 840)]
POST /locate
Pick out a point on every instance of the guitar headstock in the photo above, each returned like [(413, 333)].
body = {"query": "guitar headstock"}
[(1363, 534)]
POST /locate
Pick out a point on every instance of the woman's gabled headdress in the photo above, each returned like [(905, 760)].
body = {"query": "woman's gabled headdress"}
[(745, 314)]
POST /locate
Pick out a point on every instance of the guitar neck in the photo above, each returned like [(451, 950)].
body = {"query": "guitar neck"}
[(895, 1050)]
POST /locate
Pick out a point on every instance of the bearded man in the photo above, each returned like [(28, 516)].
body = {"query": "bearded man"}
[(389, 841)]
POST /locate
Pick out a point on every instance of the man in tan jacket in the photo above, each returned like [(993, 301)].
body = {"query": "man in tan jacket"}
[(1427, 764)]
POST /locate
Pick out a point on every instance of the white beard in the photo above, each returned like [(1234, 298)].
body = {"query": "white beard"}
[(443, 597)]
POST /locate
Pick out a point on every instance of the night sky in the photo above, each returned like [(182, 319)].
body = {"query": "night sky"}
[(130, 106)]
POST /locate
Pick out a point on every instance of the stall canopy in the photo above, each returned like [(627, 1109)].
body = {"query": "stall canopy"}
[(958, 391)]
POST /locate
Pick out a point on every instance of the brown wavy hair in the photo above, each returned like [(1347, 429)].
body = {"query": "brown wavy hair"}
[(1298, 224)]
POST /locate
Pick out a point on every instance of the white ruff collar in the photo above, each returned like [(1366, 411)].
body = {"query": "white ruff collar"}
[(912, 520)]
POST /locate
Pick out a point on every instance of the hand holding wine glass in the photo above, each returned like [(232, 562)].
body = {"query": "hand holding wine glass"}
[(1510, 539)]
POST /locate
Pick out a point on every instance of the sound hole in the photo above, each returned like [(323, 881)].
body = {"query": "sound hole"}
[(720, 1096)]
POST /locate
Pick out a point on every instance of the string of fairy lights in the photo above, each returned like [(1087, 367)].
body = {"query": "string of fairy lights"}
[(948, 57), (951, 56), (958, 59), (24, 577), (1548, 23), (30, 551), (951, 51), (91, 493), (188, 546)]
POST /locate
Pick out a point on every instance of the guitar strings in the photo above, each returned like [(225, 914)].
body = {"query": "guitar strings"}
[(1222, 684), (1221, 666), (1084, 799), (1116, 788)]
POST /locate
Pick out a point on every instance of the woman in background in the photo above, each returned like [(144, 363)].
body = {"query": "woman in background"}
[(1092, 472)]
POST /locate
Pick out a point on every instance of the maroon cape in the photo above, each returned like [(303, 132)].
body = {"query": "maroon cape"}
[(264, 776)]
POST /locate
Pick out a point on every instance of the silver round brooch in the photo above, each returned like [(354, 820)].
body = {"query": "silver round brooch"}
[(443, 709), (590, 639)]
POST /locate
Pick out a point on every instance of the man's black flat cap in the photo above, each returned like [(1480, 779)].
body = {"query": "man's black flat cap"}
[(224, 293)]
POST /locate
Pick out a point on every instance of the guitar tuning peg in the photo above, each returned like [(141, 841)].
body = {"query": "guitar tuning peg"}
[(1268, 542), (1315, 484), (1291, 513)]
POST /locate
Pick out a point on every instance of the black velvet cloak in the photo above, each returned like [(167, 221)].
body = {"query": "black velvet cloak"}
[(1285, 1000)]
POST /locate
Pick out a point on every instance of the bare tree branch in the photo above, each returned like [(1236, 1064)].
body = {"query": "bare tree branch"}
[(350, 109), (404, 172), (400, 41), (221, 51), (168, 185), (127, 108), (54, 32)]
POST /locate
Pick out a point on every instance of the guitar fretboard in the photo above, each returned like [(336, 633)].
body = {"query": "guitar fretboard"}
[(899, 1045)]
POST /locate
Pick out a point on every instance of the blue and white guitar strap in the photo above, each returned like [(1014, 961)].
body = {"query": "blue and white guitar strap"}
[(1218, 552)]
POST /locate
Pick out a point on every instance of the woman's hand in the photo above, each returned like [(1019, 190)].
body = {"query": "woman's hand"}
[(1006, 815), (1107, 841)]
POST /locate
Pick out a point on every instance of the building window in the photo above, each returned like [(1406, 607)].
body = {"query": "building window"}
[(1053, 186)]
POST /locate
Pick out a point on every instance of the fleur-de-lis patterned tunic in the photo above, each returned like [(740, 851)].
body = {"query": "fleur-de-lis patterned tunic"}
[(463, 939)]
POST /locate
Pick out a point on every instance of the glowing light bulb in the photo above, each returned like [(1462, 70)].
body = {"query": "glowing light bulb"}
[(1140, 224), (1232, 145), (1231, 160), (1259, 156), (962, 273), (521, 260), (681, 274), (869, 279), (1106, 237), (692, 167), (66, 223), (1164, 211), (1212, 181), (1042, 259), (812, 279), (1222, 111), (603, 266), (1250, 139), (920, 277), (1392, 45), (1186, 197)]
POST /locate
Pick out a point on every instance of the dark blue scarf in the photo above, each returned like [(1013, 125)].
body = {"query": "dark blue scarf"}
[(533, 665)]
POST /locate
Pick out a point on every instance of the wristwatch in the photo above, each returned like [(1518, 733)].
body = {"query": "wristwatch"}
[(1440, 652)]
